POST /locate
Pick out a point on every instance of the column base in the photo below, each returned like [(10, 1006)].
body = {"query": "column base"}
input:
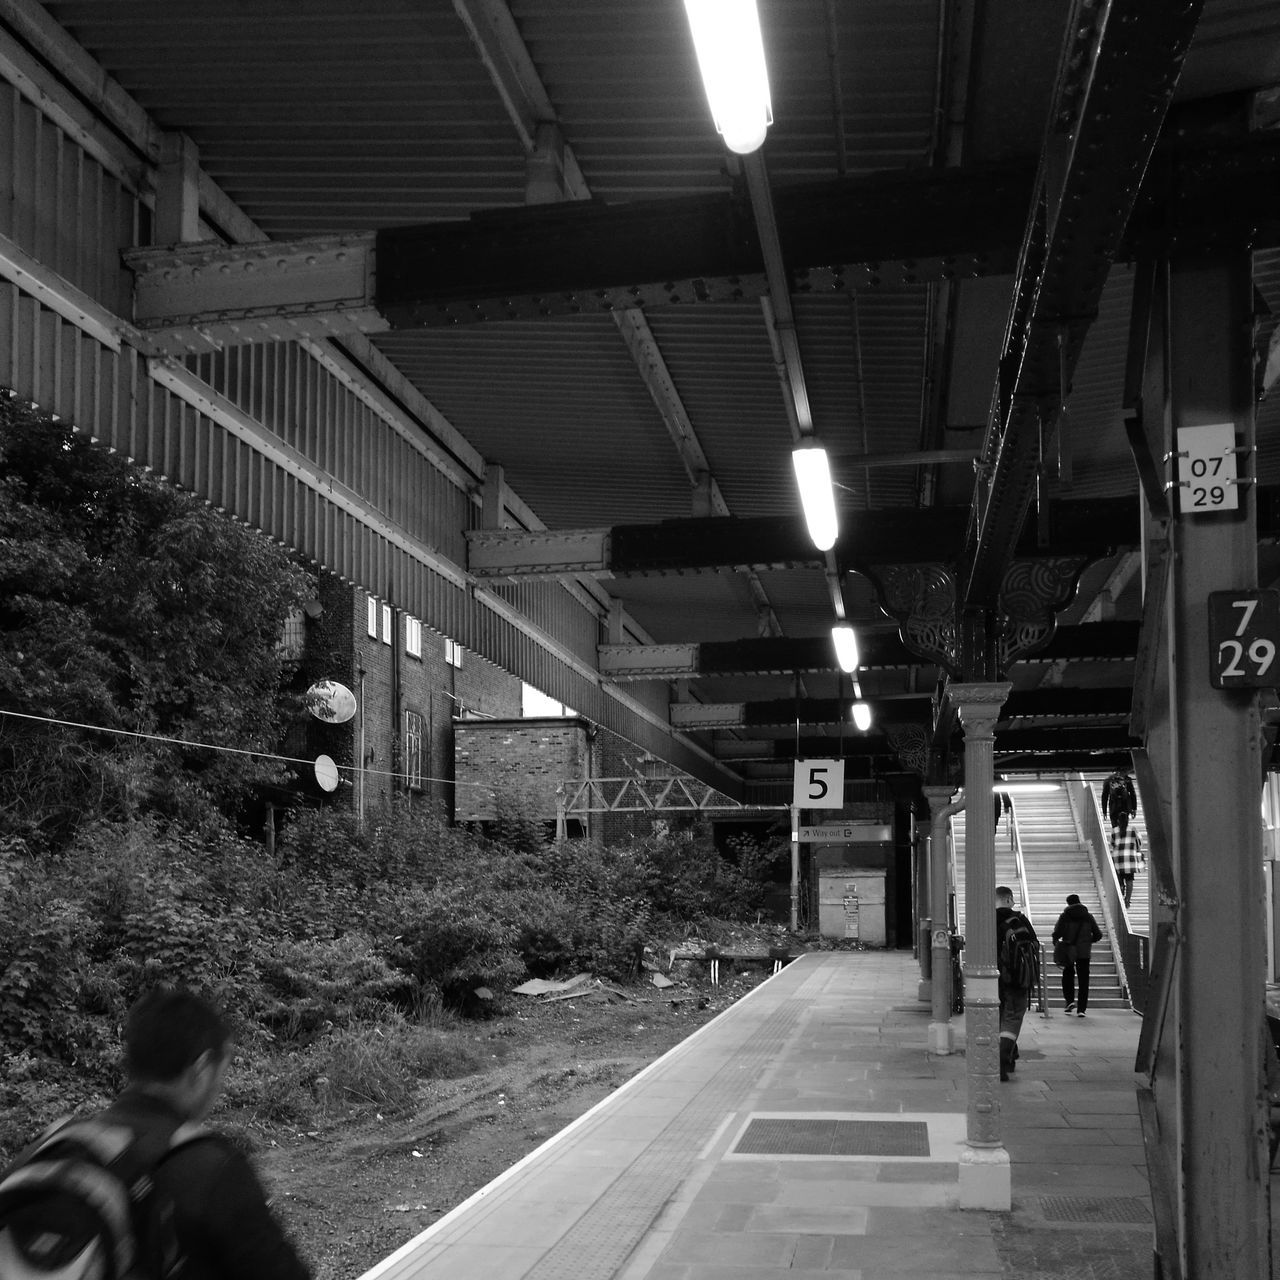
[(942, 1038), (986, 1179), (924, 992)]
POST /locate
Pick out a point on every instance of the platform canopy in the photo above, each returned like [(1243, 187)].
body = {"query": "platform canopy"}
[(517, 217)]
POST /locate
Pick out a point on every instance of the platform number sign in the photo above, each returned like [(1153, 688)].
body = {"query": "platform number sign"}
[(1244, 639), (819, 784), (1207, 469)]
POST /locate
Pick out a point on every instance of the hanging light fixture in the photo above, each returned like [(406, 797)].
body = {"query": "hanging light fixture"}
[(845, 640), (862, 715), (813, 476), (730, 49)]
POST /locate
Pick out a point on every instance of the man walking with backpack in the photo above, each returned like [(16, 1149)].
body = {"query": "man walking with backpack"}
[(1018, 959), (140, 1189)]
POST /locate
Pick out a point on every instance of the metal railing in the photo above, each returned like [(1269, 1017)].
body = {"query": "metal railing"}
[(1127, 945)]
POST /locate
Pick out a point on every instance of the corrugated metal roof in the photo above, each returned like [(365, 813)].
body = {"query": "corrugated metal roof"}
[(330, 117)]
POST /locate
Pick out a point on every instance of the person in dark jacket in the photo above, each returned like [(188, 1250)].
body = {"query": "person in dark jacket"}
[(176, 1052), (1076, 931), (1119, 799), (1013, 998)]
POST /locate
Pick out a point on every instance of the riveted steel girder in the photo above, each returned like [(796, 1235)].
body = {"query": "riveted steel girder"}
[(1116, 78), (805, 711)]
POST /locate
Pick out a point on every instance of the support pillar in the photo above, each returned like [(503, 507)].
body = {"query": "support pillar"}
[(941, 807), (920, 880), (1217, 833), (985, 1178)]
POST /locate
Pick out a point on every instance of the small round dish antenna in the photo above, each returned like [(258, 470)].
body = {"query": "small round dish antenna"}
[(331, 702), (326, 773)]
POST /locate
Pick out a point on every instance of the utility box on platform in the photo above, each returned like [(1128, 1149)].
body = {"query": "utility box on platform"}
[(851, 880)]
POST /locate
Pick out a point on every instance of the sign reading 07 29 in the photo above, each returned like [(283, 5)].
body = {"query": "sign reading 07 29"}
[(1244, 639)]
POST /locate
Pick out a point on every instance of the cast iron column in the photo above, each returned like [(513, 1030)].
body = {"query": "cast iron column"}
[(1221, 967), (985, 1181)]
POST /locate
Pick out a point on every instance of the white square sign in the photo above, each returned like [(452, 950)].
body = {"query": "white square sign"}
[(1207, 469), (819, 784)]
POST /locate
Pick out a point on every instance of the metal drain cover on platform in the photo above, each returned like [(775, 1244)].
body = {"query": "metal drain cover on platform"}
[(848, 1136), (835, 1138), (1093, 1209)]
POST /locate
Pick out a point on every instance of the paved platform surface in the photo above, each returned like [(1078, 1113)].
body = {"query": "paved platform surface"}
[(809, 1132)]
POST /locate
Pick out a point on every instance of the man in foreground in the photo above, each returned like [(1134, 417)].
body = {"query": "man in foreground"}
[(199, 1211), (1017, 955)]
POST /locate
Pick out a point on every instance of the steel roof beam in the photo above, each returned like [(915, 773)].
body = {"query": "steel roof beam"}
[(584, 256), (697, 716), (1116, 78), (905, 536), (880, 648)]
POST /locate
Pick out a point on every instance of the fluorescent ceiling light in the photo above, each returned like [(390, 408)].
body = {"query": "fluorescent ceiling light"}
[(813, 476), (730, 49), (846, 643), (1025, 788), (861, 716)]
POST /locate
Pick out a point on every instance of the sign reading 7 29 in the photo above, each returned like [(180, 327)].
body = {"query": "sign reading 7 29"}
[(1244, 639)]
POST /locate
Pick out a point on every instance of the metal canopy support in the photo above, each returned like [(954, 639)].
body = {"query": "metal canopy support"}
[(1219, 1096), (1116, 78), (985, 1176), (941, 808)]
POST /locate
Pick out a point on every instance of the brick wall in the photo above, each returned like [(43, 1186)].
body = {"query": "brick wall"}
[(388, 682), (530, 759)]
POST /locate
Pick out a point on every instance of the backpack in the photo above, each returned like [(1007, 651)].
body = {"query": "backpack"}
[(81, 1206), (1020, 954)]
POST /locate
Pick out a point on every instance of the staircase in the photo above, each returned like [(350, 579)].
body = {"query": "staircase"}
[(1056, 865), (1140, 901), (1006, 862)]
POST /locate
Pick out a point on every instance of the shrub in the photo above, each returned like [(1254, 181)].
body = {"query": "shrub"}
[(449, 940), (315, 984), (384, 1063)]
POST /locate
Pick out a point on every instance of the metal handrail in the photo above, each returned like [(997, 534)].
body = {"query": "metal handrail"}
[(1126, 942), (1042, 997)]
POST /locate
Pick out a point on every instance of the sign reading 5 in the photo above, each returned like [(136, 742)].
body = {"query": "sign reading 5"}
[(819, 784)]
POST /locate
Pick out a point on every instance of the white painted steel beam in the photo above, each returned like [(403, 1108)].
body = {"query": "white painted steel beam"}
[(203, 297), (522, 553), (649, 662)]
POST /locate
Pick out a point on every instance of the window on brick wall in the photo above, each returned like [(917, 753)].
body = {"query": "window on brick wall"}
[(373, 617), (453, 653), (386, 624), (293, 637), (413, 750), (412, 637)]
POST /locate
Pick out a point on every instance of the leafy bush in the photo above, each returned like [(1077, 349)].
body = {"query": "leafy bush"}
[(312, 985), (449, 940)]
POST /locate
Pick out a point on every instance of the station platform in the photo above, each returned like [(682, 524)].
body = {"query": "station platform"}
[(808, 1131)]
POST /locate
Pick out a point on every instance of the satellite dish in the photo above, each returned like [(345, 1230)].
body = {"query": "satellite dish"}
[(331, 702), (326, 773)]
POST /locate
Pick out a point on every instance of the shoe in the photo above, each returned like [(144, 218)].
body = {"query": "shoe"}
[(1071, 1008), (1080, 1013)]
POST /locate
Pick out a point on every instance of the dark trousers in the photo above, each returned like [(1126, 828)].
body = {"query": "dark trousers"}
[(1076, 969), (1120, 819), (1126, 884)]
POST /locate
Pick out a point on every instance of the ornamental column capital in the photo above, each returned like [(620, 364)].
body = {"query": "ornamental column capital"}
[(978, 705)]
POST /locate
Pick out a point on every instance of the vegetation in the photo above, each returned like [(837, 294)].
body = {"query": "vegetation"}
[(347, 956)]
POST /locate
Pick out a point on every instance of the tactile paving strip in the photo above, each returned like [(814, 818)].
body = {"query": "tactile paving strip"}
[(599, 1243), (1095, 1209), (835, 1138)]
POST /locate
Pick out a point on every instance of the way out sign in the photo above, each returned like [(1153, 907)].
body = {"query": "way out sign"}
[(819, 784), (1244, 639)]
